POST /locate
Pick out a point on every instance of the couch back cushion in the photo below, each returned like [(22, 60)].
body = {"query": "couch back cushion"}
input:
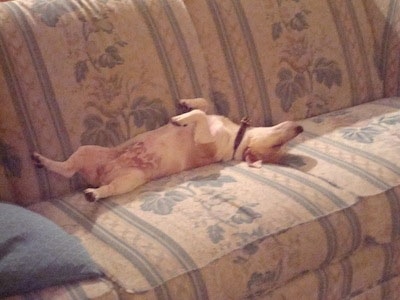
[(291, 59), (87, 72)]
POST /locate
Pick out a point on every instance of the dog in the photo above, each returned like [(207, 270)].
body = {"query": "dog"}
[(190, 140)]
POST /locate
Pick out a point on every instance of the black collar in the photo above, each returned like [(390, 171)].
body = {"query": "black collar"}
[(244, 123)]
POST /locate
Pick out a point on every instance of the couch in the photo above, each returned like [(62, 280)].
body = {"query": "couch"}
[(324, 224)]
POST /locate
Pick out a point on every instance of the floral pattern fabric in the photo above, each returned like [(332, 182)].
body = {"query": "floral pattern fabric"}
[(362, 145), (83, 72), (293, 59), (227, 231), (74, 72), (99, 72)]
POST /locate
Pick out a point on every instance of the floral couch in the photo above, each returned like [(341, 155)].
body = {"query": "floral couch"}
[(323, 225)]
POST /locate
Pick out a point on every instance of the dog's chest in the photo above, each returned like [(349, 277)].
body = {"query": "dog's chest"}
[(139, 155)]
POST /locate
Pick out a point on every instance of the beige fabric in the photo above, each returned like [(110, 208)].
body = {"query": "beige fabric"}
[(278, 60), (325, 224), (351, 277), (360, 143), (233, 232), (83, 72)]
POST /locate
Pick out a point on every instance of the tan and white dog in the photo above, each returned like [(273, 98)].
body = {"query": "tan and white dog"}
[(190, 140)]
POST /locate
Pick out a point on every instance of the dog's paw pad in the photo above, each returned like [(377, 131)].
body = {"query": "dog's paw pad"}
[(91, 195), (37, 160)]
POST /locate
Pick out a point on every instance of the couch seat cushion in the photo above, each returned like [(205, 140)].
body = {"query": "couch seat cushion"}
[(357, 149), (229, 231), (198, 232)]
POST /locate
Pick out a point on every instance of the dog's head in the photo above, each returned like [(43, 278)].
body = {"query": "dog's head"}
[(266, 143)]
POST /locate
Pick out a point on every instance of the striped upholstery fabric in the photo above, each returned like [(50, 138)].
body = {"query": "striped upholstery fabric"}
[(324, 225), (84, 72), (275, 60), (232, 232), (359, 143)]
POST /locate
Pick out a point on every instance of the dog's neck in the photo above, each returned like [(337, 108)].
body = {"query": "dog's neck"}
[(251, 132), (244, 124), (238, 154)]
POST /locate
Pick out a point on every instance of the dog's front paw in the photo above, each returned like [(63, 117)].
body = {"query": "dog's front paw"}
[(179, 121), (191, 117), (195, 103), (37, 161), (91, 195)]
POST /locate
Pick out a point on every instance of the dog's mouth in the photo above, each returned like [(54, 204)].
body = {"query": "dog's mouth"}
[(280, 144)]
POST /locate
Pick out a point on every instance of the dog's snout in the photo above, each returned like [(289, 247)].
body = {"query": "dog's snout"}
[(299, 129)]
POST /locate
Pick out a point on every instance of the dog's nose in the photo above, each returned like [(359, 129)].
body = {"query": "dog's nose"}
[(299, 129)]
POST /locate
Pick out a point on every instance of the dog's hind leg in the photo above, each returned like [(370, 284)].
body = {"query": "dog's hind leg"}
[(65, 168), (84, 158), (120, 185)]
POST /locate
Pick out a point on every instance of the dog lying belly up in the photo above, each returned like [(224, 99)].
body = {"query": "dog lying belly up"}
[(190, 140)]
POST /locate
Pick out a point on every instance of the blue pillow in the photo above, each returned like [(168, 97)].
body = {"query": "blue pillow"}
[(35, 253)]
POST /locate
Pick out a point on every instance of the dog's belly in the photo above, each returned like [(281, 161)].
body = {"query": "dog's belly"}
[(162, 152)]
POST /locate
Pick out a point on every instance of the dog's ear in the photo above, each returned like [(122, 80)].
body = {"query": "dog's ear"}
[(251, 159)]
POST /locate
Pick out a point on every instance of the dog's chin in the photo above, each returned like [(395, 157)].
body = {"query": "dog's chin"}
[(274, 157), (256, 160)]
